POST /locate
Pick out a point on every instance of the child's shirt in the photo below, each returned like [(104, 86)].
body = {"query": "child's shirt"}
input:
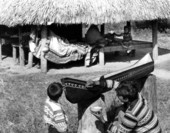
[(54, 115), (127, 37), (138, 118)]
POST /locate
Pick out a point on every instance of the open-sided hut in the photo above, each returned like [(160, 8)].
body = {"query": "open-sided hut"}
[(45, 12), (20, 12)]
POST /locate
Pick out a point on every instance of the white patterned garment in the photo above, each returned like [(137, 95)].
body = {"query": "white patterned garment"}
[(64, 48), (55, 116)]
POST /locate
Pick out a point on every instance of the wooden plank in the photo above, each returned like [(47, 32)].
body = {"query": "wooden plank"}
[(135, 42), (43, 39), (101, 57), (154, 39), (119, 48)]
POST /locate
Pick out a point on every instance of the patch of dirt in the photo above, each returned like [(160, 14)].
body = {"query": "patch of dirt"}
[(113, 63)]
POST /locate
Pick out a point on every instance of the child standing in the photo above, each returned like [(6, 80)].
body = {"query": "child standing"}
[(54, 115), (136, 117)]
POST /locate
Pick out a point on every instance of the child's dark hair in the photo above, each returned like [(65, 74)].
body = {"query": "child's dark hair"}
[(54, 91), (128, 89)]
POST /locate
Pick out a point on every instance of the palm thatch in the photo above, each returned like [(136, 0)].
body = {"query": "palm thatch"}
[(14, 12)]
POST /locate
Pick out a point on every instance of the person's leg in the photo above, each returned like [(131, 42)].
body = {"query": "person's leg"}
[(125, 47), (132, 53), (130, 49)]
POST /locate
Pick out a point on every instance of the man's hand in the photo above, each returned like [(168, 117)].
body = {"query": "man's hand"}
[(112, 127), (108, 83), (103, 83), (116, 84), (90, 84)]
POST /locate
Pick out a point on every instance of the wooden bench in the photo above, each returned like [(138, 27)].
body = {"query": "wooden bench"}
[(112, 48), (13, 40)]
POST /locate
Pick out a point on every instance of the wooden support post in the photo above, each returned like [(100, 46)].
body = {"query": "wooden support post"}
[(84, 29), (101, 57), (22, 56), (154, 39), (150, 91), (21, 49), (14, 53), (43, 39), (133, 28), (30, 60), (128, 24), (102, 29), (0, 49)]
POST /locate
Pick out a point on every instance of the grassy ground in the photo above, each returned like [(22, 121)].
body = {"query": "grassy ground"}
[(22, 100), (164, 104), (22, 97)]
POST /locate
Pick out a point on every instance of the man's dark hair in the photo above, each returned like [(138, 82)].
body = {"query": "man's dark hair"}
[(54, 91), (128, 89)]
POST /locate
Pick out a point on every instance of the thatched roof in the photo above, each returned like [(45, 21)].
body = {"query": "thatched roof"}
[(13, 12)]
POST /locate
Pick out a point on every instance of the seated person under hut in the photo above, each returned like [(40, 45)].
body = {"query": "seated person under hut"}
[(94, 38), (126, 43)]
